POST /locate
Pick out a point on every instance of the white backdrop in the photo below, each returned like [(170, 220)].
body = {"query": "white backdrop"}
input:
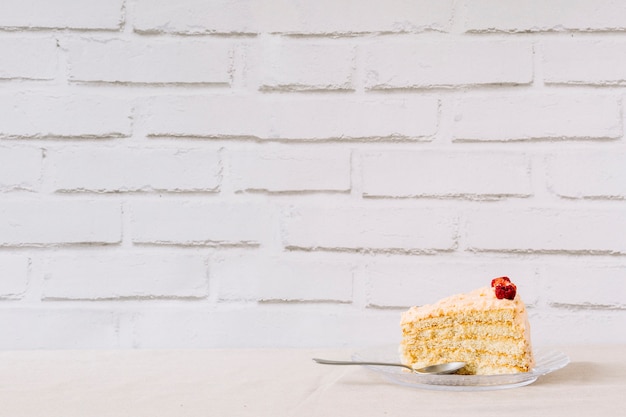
[(241, 173)]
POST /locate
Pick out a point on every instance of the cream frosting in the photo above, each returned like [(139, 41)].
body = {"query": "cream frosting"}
[(480, 299)]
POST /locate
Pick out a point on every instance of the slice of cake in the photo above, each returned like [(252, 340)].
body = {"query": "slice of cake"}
[(487, 328)]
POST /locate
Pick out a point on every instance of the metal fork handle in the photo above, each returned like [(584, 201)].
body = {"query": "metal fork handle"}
[(329, 362)]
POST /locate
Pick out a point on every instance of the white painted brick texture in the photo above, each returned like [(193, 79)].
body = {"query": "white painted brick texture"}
[(147, 61), (61, 114), (446, 174), (50, 327), (537, 16), (303, 65), (606, 293), (125, 275), (299, 277), (292, 118), (588, 174), (107, 169), (62, 14), (28, 58), (291, 170), (249, 16), (537, 116), (20, 167), (174, 222), (412, 63), (587, 62), (170, 171), (55, 222), (547, 229), (364, 228), (14, 273)]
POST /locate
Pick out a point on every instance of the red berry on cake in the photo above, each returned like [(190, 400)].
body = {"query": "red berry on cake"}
[(506, 291), (504, 288), (500, 281)]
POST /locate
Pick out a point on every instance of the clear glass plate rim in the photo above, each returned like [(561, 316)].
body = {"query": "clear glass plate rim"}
[(547, 360)]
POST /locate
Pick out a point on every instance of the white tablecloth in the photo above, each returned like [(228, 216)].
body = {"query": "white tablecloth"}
[(282, 382)]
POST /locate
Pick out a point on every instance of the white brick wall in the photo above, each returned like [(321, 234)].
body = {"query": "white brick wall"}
[(293, 64), (364, 229), (538, 115), (290, 118), (148, 61), (583, 61), (132, 169), (62, 14), (410, 62), (28, 222), (446, 174), (63, 114), (173, 171), (284, 16), (547, 229), (537, 16), (138, 274), (14, 273), (20, 167), (597, 175), (290, 169), (38, 58)]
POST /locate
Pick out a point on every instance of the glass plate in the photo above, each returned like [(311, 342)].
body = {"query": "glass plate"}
[(547, 360)]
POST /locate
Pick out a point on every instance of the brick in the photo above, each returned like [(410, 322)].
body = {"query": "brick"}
[(72, 115), (195, 17), (305, 65), (537, 116), (363, 229), (281, 117), (62, 14), (445, 174), (401, 118), (568, 284), (198, 223), (40, 222), (410, 63), (20, 168), (150, 61), (284, 278), (248, 16), (132, 169), (223, 116), (290, 169), (539, 16), (415, 282), (136, 274), (578, 327), (584, 61), (58, 328), (588, 173), (547, 230), (34, 59), (14, 273)]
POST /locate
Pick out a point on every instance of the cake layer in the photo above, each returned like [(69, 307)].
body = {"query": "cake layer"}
[(469, 317), (515, 347), (453, 355), (482, 362), (463, 329)]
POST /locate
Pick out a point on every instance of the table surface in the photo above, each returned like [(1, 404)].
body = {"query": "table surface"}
[(282, 382)]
